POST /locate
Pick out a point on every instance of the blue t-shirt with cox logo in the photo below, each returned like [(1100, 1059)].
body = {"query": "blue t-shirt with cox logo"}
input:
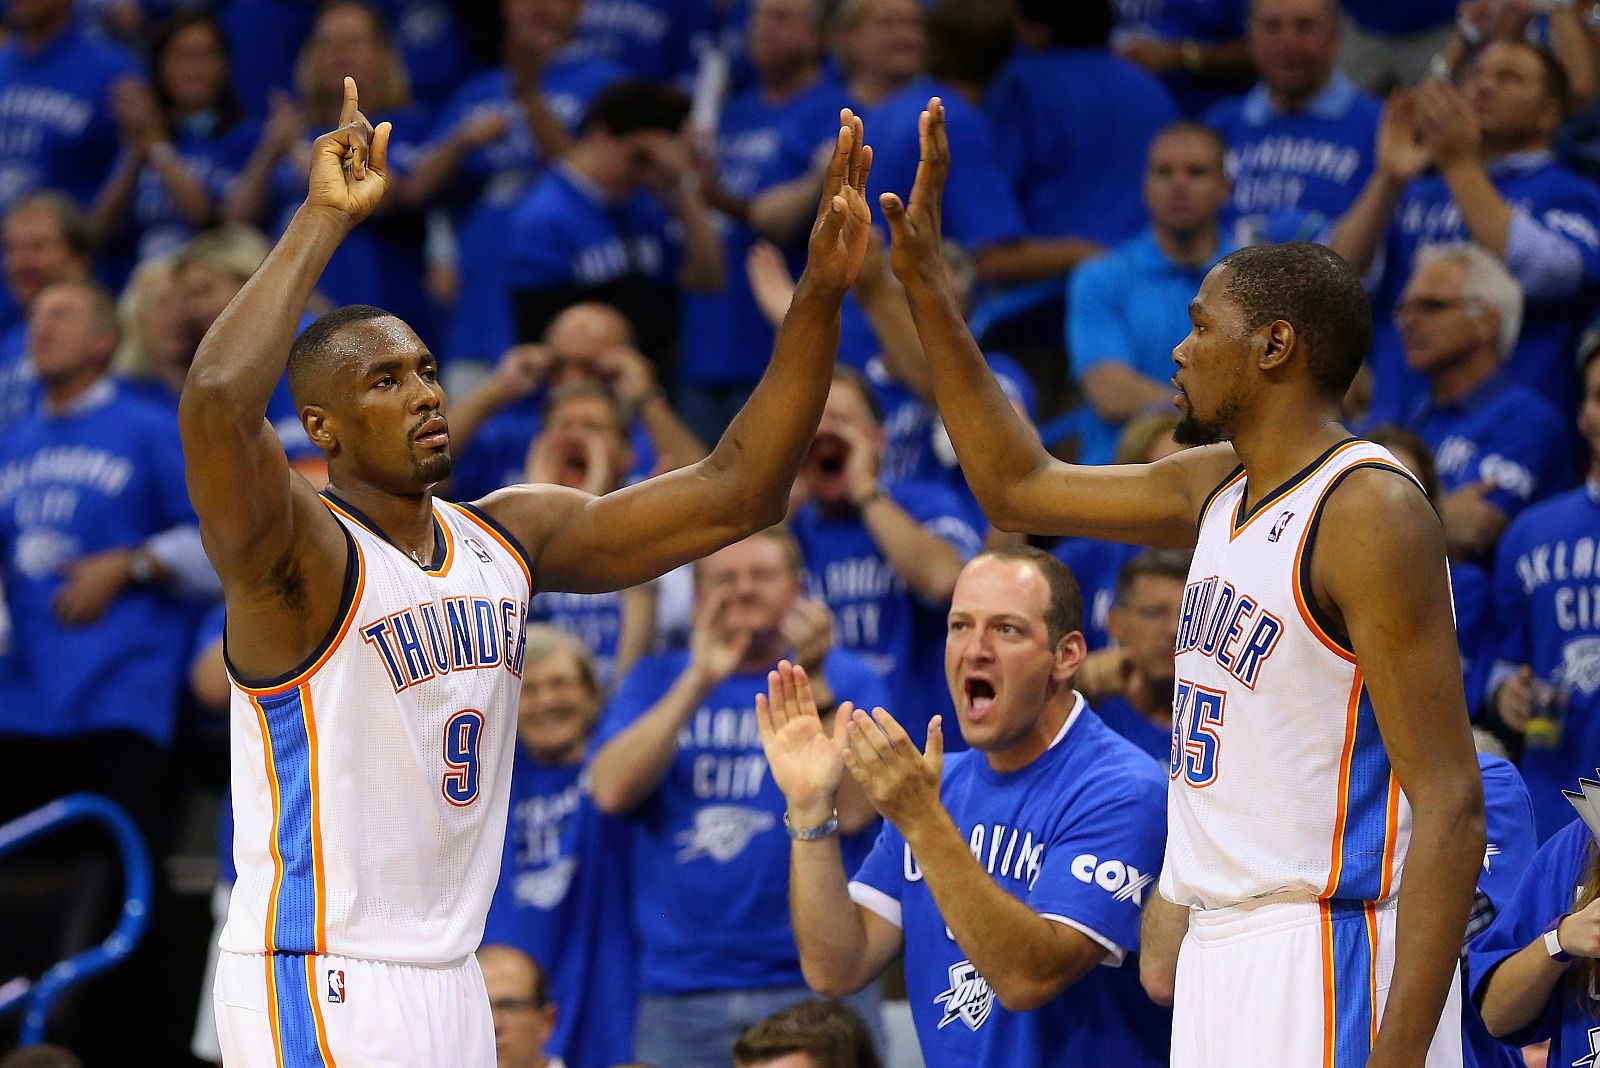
[(1078, 836)]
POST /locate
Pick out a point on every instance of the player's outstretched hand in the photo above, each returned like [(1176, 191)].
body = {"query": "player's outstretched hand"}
[(901, 783), (350, 164), (915, 254), (806, 764), (839, 236)]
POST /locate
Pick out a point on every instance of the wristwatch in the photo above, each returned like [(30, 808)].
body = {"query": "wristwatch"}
[(811, 834), (1552, 940), (141, 567)]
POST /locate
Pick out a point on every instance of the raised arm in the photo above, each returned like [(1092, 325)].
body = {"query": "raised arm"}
[(1358, 235), (262, 525), (586, 544), (1379, 566), (1021, 486)]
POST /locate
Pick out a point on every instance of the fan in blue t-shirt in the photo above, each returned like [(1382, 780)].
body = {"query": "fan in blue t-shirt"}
[(184, 140), (564, 896), (1504, 189), (1301, 141), (678, 752), (766, 135), (1531, 987), (1011, 875), (55, 94), (883, 557), (1547, 616), (1131, 683), (656, 39), (1508, 828), (483, 155)]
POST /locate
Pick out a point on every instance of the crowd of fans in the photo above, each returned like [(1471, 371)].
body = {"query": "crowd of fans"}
[(596, 213)]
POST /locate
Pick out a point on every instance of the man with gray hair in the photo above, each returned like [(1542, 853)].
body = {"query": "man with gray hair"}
[(1499, 444)]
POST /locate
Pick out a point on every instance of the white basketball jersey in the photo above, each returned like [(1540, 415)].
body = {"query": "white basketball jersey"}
[(370, 787), (1279, 779)]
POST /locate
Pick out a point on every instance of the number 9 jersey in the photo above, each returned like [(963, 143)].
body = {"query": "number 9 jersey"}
[(1280, 782), (370, 786)]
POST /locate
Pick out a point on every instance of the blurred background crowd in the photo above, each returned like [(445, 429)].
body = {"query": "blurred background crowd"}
[(597, 211)]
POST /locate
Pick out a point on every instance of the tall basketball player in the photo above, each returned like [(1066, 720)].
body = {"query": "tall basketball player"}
[(1325, 817), (374, 634)]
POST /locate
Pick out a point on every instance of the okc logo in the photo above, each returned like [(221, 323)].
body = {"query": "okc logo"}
[(969, 998), (1278, 527), (335, 987), (721, 832), (1580, 664), (548, 888)]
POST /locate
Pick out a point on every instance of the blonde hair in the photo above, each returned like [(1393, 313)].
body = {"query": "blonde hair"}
[(1133, 445), (545, 641), (391, 91), (134, 358), (235, 250)]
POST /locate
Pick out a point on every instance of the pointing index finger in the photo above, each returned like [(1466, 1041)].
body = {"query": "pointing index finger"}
[(352, 102)]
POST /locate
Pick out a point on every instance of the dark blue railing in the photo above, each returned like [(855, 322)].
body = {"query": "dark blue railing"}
[(38, 995)]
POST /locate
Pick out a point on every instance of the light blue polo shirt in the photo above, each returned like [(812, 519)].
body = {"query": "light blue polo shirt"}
[(1132, 306)]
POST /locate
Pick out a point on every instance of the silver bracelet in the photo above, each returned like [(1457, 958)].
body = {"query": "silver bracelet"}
[(830, 826)]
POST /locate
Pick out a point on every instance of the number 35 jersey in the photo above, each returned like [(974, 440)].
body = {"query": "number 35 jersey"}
[(1280, 782), (370, 786)]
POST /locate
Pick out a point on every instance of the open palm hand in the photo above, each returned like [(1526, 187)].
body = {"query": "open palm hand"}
[(805, 763)]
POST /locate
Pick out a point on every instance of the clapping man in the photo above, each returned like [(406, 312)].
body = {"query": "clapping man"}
[(1007, 873)]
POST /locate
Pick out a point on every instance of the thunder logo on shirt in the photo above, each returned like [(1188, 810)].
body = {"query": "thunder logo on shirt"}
[(456, 634)]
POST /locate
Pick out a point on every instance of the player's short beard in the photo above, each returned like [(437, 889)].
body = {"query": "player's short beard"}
[(1193, 430), (432, 469)]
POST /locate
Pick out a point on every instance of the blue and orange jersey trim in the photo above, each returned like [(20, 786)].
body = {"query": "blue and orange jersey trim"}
[(1367, 808), (1243, 518), (1233, 479), (294, 1012), (296, 920), (444, 553), (1349, 936), (483, 520), (1312, 614)]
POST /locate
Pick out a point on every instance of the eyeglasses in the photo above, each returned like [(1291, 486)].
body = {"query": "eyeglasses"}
[(515, 1005), (1429, 305)]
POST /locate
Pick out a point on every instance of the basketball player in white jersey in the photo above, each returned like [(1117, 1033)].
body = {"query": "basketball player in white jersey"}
[(374, 634), (1325, 817)]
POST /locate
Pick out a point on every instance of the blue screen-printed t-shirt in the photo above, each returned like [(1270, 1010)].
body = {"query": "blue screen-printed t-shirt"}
[(875, 613), (1077, 836), (564, 899), (711, 835), (1508, 821), (1548, 888)]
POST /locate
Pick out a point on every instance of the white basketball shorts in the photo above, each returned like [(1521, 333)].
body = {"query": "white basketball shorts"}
[(1291, 982), (314, 1011)]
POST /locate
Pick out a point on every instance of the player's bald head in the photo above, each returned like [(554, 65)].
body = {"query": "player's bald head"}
[(339, 341)]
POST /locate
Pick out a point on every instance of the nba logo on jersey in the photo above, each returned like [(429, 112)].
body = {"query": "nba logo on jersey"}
[(1277, 528), (335, 986), (478, 550)]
